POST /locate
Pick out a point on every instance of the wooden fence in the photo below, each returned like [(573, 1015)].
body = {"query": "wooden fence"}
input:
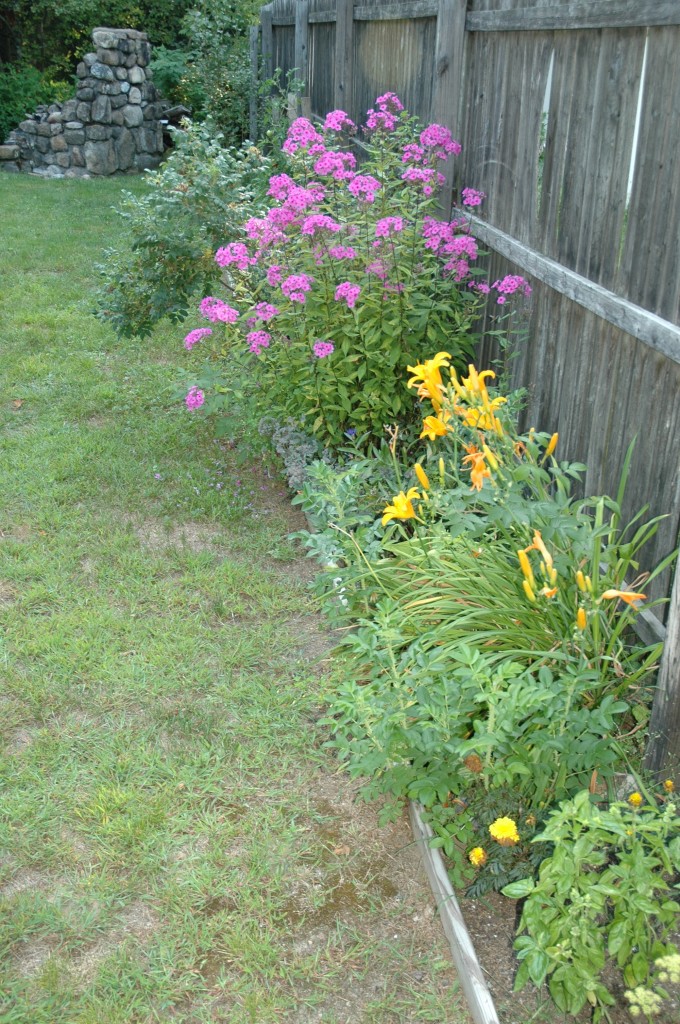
[(567, 113)]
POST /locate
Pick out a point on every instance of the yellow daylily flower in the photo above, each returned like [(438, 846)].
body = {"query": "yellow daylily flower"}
[(402, 506), (548, 591), (436, 426), (624, 595), (429, 379)]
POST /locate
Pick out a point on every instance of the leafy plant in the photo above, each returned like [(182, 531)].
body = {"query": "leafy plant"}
[(22, 89), (200, 192), (338, 286), (603, 894)]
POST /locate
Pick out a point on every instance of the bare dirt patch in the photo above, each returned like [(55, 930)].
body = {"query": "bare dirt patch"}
[(138, 922)]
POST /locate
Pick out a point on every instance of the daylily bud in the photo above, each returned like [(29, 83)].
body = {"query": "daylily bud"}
[(529, 591), (581, 620), (490, 457), (552, 445), (525, 566), (422, 476), (581, 581)]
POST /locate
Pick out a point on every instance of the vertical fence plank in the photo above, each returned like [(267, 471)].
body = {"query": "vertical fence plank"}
[(663, 752), (302, 51), (267, 40), (344, 55), (448, 79), (254, 61)]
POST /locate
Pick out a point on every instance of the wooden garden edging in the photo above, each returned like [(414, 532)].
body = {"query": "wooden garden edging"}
[(468, 967)]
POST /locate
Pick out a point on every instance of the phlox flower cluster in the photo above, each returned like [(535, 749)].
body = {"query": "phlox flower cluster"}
[(427, 176), (510, 284), (389, 226), (437, 138), (274, 275), (295, 286), (349, 292), (257, 340), (265, 311), (215, 310), (322, 349), (264, 232), (364, 187), (234, 253), (338, 121), (339, 164), (194, 399), (319, 222), (193, 337), (342, 252), (472, 197), (385, 118), (302, 134)]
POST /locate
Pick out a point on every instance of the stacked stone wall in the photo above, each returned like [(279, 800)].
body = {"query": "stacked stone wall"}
[(112, 125)]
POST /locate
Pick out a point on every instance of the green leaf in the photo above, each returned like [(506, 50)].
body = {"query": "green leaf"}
[(518, 890)]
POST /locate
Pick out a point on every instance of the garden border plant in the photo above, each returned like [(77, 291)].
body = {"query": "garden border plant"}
[(490, 671)]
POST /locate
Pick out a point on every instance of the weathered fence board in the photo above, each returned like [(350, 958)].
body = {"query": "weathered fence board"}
[(577, 14)]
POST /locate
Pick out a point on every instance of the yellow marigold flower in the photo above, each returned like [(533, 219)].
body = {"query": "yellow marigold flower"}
[(436, 426), (422, 476), (552, 445), (624, 595), (581, 620), (528, 590), (504, 831), (477, 857), (402, 506), (428, 377), (635, 800), (668, 785)]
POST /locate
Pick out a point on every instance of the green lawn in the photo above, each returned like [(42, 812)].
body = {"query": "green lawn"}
[(175, 844)]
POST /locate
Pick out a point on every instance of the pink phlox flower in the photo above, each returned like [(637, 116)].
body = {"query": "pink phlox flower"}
[(377, 268), (390, 101), (380, 121), (501, 300), (341, 165), (279, 186), (301, 134), (274, 275), (194, 399), (322, 349), (281, 217), (214, 310), (461, 245), (438, 138), (412, 154), (295, 286), (193, 337), (349, 292), (264, 232), (512, 283), (389, 226), (338, 120), (316, 149), (418, 174), (480, 286), (265, 311), (342, 252), (300, 199), (436, 233), (319, 222), (258, 340), (459, 268), (235, 252), (364, 187), (472, 197)]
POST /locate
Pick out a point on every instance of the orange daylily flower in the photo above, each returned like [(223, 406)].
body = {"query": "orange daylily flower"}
[(478, 467), (624, 595)]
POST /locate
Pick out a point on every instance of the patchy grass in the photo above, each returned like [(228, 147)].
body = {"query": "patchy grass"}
[(176, 845)]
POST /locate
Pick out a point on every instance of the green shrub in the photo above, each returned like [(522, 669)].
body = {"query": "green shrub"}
[(197, 196), (22, 89)]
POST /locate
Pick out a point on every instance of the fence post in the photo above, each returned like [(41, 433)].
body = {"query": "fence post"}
[(663, 749), (448, 80), (254, 60), (267, 40), (302, 53), (344, 55)]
